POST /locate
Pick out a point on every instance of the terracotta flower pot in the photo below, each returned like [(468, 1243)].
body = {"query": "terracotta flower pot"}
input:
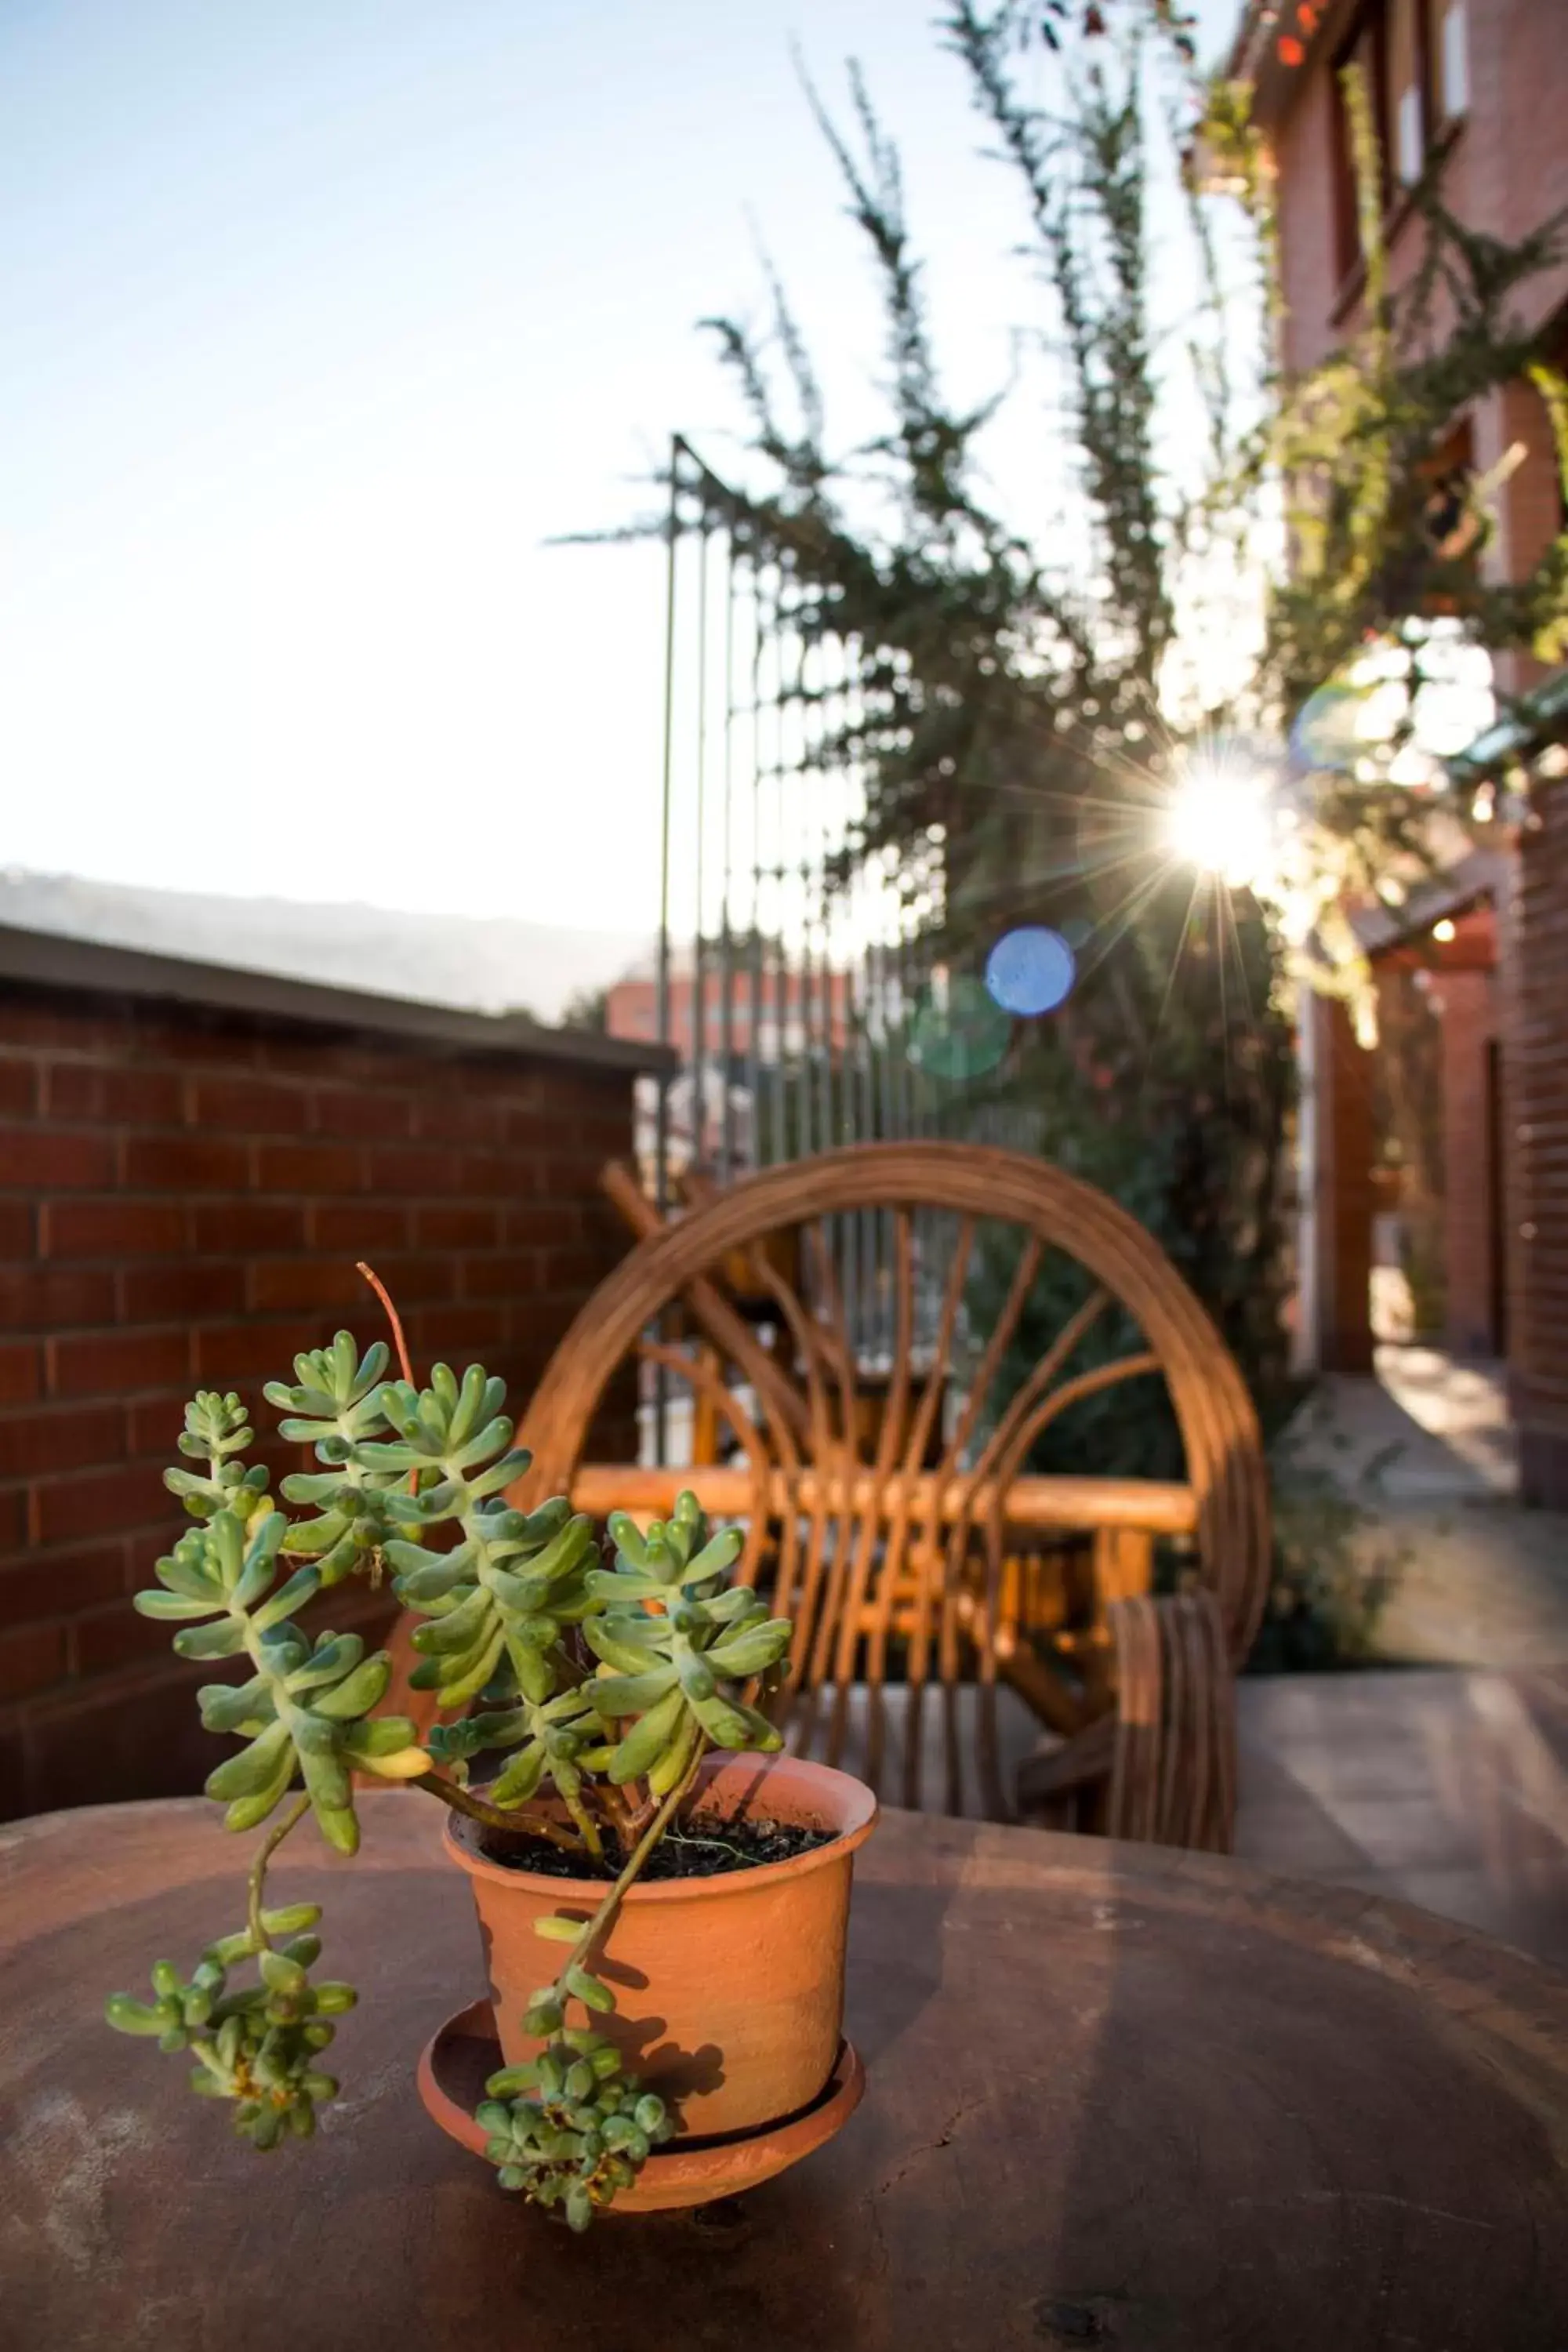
[(729, 1991)]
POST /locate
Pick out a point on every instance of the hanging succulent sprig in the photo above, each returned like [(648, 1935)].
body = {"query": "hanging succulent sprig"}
[(259, 2044), (601, 1690), (571, 2127)]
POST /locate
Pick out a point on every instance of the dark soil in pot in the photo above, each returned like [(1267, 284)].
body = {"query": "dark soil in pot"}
[(700, 1850)]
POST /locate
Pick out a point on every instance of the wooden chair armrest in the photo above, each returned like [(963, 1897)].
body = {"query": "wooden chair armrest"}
[(1173, 1778), (1161, 1765)]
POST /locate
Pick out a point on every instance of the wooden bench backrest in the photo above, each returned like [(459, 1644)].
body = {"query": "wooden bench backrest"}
[(880, 1529)]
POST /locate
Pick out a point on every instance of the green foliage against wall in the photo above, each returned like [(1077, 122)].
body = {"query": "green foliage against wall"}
[(1195, 1153), (1015, 734)]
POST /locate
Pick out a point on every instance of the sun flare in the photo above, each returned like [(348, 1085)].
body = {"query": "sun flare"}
[(1217, 820)]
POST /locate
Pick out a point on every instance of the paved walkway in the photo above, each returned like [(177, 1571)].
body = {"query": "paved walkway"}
[(1426, 1450), (1445, 1784)]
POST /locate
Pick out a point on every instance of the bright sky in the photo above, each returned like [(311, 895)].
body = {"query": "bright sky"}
[(321, 316)]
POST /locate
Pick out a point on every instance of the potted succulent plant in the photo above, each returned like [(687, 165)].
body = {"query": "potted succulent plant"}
[(642, 1824)]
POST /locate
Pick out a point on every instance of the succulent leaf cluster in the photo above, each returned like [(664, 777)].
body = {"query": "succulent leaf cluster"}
[(259, 2045), (672, 1631), (303, 1710), (572, 2127), (661, 1635), (664, 1625)]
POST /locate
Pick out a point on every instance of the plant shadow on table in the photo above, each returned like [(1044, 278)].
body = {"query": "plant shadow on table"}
[(683, 2074), (895, 1944)]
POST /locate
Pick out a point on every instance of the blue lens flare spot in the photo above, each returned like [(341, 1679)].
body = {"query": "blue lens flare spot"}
[(1326, 734), (958, 1032), (1030, 971)]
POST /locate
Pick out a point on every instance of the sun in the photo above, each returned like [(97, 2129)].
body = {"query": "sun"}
[(1217, 819)]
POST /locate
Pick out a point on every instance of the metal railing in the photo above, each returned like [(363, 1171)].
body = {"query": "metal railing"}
[(790, 965)]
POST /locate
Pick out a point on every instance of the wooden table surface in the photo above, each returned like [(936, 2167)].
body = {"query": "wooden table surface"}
[(1117, 2095)]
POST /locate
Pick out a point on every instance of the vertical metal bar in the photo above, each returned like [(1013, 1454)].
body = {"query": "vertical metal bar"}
[(798, 789), (844, 1132), (827, 762), (815, 1136), (754, 944), (846, 1121), (902, 1074), (869, 916), (830, 900), (726, 937), (661, 1127), (781, 1137), (699, 955), (896, 1074), (661, 1114), (873, 1123), (919, 985)]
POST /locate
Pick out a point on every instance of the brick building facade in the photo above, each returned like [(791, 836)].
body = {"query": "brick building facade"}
[(1487, 81), (191, 1162), (791, 1010)]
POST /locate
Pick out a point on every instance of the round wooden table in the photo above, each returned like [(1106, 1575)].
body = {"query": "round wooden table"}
[(1118, 2095)]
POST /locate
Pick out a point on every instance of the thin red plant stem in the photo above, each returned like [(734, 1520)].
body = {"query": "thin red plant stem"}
[(399, 1342), (393, 1316)]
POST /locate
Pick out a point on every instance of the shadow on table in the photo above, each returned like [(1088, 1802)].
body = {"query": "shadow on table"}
[(1261, 2133), (896, 1943)]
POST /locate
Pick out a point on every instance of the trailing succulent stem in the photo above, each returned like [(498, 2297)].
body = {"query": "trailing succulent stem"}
[(600, 1688), (259, 2045), (572, 2127)]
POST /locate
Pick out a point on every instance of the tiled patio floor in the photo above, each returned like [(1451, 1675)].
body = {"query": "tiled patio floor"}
[(1441, 1788), (1442, 1778)]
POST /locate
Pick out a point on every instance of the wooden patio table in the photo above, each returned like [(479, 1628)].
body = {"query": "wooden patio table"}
[(1118, 2095)]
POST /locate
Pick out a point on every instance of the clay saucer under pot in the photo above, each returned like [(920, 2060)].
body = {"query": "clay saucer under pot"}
[(454, 2066)]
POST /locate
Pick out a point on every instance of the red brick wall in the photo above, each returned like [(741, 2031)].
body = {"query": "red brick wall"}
[(1341, 1109), (182, 1196), (1467, 1007), (1507, 172), (1308, 268), (1536, 1152)]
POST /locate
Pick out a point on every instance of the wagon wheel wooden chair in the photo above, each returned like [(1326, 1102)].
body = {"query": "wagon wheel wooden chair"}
[(970, 1636)]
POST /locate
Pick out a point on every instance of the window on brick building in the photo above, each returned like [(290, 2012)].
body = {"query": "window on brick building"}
[(1409, 102), (1413, 56), (1449, 66), (1365, 46)]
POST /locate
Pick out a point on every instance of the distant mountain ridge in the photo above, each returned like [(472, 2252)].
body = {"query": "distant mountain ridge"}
[(483, 963)]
